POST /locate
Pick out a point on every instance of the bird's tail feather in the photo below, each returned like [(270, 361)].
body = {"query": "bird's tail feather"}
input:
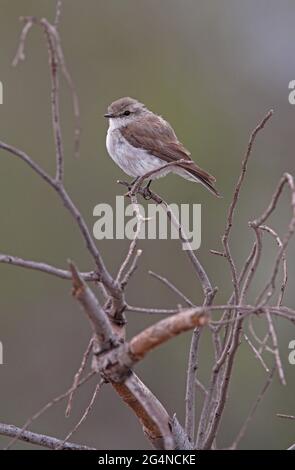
[(197, 176)]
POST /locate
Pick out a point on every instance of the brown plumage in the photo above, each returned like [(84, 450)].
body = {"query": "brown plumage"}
[(161, 141), (148, 132)]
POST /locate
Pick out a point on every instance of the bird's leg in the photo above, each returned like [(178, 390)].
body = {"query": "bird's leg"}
[(147, 194), (133, 183), (130, 186)]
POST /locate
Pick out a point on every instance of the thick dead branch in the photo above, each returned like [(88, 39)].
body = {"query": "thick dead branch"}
[(135, 394), (114, 366), (100, 323), (164, 330)]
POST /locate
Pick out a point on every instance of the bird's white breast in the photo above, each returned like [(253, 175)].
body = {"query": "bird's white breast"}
[(133, 161)]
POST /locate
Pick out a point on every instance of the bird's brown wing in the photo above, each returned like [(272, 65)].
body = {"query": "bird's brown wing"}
[(157, 137)]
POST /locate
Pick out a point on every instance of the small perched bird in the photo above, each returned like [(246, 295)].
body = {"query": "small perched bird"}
[(140, 141)]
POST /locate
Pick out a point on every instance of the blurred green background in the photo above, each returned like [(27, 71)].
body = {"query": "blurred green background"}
[(213, 69)]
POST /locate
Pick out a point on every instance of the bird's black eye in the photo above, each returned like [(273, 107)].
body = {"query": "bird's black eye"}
[(126, 113)]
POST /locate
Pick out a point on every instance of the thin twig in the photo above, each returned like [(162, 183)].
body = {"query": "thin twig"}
[(71, 85), (56, 124), (220, 377), (284, 262), (57, 13), (132, 268), (231, 211), (131, 251), (20, 53), (256, 353), (152, 311), (280, 415), (46, 407), (190, 401), (78, 376), (84, 416), (171, 286), (249, 418), (276, 348), (270, 286), (201, 387)]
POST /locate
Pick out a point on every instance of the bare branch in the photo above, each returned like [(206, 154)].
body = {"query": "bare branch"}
[(84, 416), (152, 311), (190, 402), (158, 429), (199, 269), (172, 287), (245, 310), (131, 251), (71, 85), (56, 125), (270, 286), (284, 261), (55, 52), (46, 268), (256, 353), (23, 156), (252, 411), (114, 366), (104, 276), (78, 375), (201, 387), (112, 357), (164, 330), (280, 415), (220, 377), (230, 216), (132, 269), (181, 441), (137, 185), (217, 253), (209, 292), (20, 53), (130, 395), (39, 439), (274, 338), (57, 13), (98, 318), (46, 407)]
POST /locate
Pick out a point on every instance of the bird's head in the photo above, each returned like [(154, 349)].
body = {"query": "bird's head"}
[(125, 110)]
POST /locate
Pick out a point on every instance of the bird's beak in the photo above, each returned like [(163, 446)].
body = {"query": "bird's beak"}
[(108, 115)]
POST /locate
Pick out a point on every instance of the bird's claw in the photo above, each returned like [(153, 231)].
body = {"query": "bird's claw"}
[(147, 194)]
